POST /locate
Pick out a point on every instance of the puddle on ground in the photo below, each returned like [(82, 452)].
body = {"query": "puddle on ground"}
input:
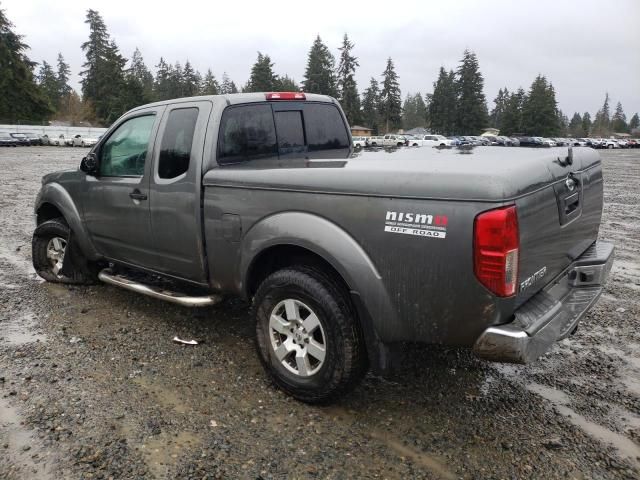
[(560, 400), (166, 397), (424, 460), (162, 451), (20, 330), (18, 263), (23, 451)]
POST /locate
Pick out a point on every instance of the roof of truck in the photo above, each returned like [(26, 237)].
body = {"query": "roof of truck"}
[(236, 98)]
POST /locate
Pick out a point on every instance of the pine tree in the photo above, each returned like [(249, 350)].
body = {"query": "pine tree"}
[(162, 87), (390, 99), (619, 120), (586, 124), (563, 123), (139, 71), (471, 109), (176, 81), (512, 119), (540, 110), (319, 76), (413, 112), (634, 123), (602, 121), (347, 87), (575, 126), (190, 81), (49, 86), (209, 84), (228, 86), (495, 119), (63, 77), (285, 84), (22, 99), (443, 103), (103, 79), (262, 78), (370, 102)]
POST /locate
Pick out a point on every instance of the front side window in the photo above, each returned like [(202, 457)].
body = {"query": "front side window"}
[(125, 151), (177, 139), (247, 132)]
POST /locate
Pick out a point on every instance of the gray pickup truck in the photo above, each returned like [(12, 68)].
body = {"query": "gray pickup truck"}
[(342, 255)]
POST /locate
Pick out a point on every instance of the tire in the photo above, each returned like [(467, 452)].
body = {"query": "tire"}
[(609, 146), (51, 248), (319, 304)]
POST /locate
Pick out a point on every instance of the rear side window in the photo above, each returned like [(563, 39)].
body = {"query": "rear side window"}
[(247, 132), (326, 129), (290, 132), (175, 150)]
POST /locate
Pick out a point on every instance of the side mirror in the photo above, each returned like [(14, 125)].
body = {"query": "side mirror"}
[(89, 164)]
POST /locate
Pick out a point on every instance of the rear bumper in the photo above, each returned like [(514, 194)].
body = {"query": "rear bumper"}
[(552, 314)]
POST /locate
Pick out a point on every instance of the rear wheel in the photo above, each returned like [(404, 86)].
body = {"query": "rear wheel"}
[(307, 335), (54, 260)]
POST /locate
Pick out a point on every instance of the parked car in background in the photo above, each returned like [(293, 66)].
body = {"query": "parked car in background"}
[(80, 141), (560, 142), (623, 143), (358, 142), (504, 141), (530, 142), (611, 143), (376, 141), (579, 142), (393, 141), (431, 141), (633, 143), (34, 138), (514, 142), (7, 140), (21, 138)]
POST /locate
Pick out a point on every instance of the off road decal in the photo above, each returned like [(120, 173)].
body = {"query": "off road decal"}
[(419, 224)]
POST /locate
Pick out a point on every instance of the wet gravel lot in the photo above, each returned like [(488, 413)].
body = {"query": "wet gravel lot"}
[(92, 386)]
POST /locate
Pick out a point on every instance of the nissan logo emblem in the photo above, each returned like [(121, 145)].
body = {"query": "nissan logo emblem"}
[(570, 183)]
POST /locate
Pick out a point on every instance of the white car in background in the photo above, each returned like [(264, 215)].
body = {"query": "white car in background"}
[(611, 143), (392, 140), (430, 141), (376, 141), (80, 141)]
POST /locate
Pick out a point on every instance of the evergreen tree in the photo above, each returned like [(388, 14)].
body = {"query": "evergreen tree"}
[(63, 77), (370, 103), (443, 103), (285, 84), (512, 119), (540, 110), (144, 78), (390, 104), (563, 122), (209, 85), (21, 100), (634, 123), (103, 79), (471, 110), (49, 86), (162, 85), (497, 113), (586, 124), (602, 121), (347, 87), (575, 126), (176, 81), (262, 78), (190, 81), (227, 85), (319, 76), (619, 120), (413, 112)]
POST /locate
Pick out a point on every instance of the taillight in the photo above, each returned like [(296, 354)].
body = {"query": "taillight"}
[(285, 96), (495, 249)]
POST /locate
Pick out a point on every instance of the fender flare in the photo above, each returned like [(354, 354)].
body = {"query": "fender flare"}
[(344, 254), (54, 194)]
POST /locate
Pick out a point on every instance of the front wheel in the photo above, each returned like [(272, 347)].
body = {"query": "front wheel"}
[(54, 260), (307, 335)]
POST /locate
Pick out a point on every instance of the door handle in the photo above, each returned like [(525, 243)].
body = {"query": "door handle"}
[(138, 195)]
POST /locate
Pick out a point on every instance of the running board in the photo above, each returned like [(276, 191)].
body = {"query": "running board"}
[(111, 278)]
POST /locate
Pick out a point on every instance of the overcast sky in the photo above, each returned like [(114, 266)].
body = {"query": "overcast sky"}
[(585, 47)]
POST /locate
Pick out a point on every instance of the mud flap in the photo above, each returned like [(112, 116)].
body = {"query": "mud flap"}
[(74, 260)]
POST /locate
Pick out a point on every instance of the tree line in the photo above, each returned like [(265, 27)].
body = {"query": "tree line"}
[(112, 84)]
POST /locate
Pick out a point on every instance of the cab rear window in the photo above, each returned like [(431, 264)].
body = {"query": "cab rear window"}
[(287, 130)]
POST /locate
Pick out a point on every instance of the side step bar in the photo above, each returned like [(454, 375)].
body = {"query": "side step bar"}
[(111, 278)]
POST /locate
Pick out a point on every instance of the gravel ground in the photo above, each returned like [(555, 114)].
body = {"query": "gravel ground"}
[(92, 386)]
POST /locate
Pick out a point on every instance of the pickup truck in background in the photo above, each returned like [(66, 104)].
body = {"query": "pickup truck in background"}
[(430, 141), (341, 255)]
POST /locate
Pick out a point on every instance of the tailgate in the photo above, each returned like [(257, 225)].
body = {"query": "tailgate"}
[(559, 221)]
